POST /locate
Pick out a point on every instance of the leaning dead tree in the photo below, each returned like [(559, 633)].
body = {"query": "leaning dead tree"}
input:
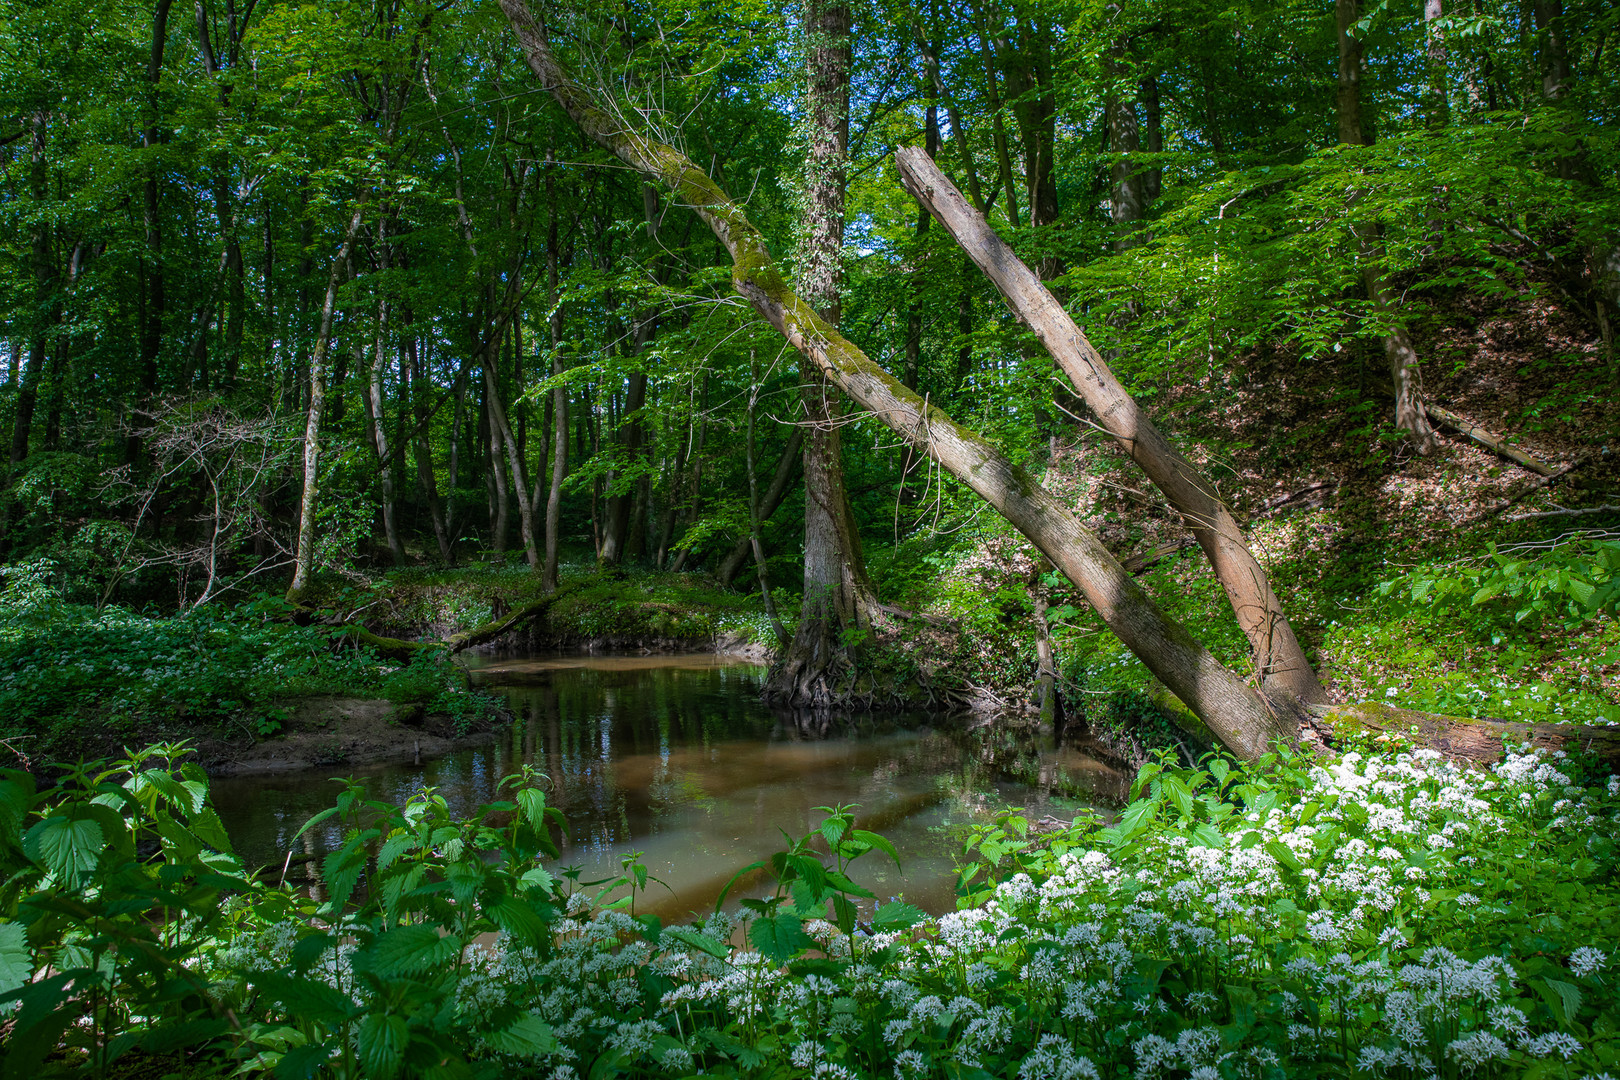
[(1234, 712), (1278, 658)]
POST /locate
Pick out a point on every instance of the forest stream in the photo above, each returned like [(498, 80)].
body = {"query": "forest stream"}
[(676, 757)]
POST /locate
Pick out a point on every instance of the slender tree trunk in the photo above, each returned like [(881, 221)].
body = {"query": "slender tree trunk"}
[(559, 412), (500, 496), (504, 438), (1278, 657), (44, 267), (411, 360), (155, 300), (304, 557), (1124, 141), (376, 421), (787, 467), (998, 127), (1398, 348), (1153, 121), (1436, 58), (754, 540), (1234, 712)]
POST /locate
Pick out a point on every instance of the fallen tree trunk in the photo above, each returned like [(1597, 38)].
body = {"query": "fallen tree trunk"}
[(404, 652), (1241, 718), (1494, 443), (1463, 739), (1278, 656)]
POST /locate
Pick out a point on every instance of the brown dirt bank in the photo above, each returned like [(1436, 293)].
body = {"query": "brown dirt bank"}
[(338, 731)]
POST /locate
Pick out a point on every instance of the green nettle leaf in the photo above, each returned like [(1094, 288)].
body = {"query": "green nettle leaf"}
[(780, 938), (68, 844), (382, 1041), (1283, 854), (1563, 998), (303, 1062), (686, 935), (411, 950), (307, 999), (897, 915), (16, 962), (528, 1035)]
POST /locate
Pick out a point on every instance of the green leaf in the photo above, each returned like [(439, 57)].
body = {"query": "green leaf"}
[(1284, 855), (686, 935), (303, 1062), (779, 938), (1205, 835), (518, 918), (306, 998), (528, 1035), (68, 844), (897, 916), (381, 1042), (410, 950), (16, 961), (1563, 998), (874, 842)]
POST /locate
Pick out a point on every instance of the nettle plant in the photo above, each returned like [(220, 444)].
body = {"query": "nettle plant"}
[(1381, 916)]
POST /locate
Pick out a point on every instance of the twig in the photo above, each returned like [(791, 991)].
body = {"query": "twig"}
[(1528, 490), (1607, 508)]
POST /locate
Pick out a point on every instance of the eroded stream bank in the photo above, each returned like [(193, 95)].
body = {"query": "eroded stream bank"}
[(675, 756)]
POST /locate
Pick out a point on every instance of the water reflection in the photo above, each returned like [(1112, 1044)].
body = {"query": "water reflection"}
[(676, 757)]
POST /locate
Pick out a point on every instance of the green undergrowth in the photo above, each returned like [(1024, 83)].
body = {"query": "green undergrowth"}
[(1387, 915), (75, 680), (626, 605)]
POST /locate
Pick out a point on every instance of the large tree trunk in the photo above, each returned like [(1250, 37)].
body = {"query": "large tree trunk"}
[(1464, 739), (1278, 657), (1398, 348), (304, 557), (1234, 712), (837, 595)]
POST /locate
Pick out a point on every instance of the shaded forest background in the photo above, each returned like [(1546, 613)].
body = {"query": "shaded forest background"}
[(352, 252)]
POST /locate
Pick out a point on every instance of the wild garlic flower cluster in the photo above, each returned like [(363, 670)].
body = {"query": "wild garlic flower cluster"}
[(1382, 916)]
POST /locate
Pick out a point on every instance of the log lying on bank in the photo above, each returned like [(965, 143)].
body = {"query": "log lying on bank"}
[(1463, 739), (402, 651), (1496, 444)]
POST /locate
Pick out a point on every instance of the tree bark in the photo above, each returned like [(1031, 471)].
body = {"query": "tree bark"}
[(1232, 710), (1465, 739), (411, 360), (376, 422), (559, 412), (1399, 351), (304, 557), (837, 596), (155, 299), (787, 467), (1278, 657), (505, 438)]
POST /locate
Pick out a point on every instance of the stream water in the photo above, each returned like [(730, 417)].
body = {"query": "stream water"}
[(677, 758)]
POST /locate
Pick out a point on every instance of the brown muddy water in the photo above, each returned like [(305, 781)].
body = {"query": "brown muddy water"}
[(677, 758)]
